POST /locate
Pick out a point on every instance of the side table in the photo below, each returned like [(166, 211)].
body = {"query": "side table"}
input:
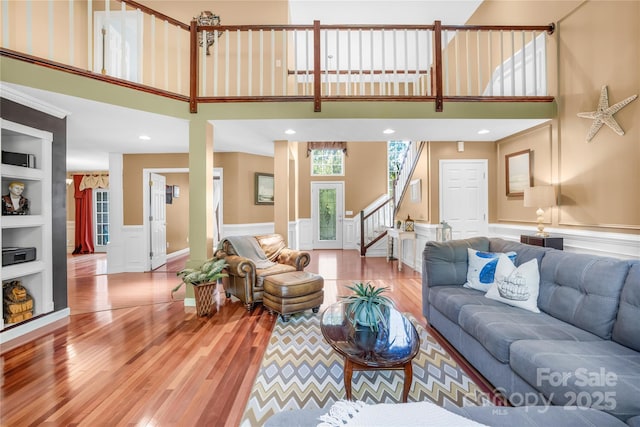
[(546, 242), (401, 236)]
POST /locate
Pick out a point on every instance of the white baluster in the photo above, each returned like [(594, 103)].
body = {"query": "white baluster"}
[(216, 61), (501, 63), (489, 54), (273, 62), (29, 29), (524, 65), (478, 63), (261, 76), (284, 62), (90, 35), (238, 62), (466, 44), (250, 61), (456, 59), (6, 42), (513, 63), (178, 57), (203, 61), (226, 62), (72, 37), (535, 65), (153, 50), (166, 55)]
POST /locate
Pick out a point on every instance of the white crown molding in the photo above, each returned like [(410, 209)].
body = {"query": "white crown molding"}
[(31, 102)]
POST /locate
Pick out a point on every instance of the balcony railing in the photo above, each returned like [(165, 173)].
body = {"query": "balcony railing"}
[(138, 47)]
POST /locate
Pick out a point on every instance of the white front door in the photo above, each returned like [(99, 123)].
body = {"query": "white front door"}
[(327, 207), (157, 220), (464, 197)]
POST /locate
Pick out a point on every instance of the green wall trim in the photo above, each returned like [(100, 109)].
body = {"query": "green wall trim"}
[(23, 73)]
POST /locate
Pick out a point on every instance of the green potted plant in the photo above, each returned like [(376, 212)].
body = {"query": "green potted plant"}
[(366, 306), (203, 279)]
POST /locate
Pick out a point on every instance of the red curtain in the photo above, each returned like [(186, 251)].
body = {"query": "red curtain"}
[(84, 218)]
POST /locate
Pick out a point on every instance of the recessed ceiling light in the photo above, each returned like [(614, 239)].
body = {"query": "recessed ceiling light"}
[(388, 131), (144, 137), (483, 131), (289, 131)]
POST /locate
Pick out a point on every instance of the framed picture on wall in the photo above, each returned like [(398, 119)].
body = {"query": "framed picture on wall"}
[(518, 172), (264, 188)]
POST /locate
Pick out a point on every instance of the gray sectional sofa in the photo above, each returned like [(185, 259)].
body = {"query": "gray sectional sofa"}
[(583, 348)]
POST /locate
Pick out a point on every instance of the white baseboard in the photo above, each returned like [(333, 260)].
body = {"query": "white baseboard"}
[(177, 254), (32, 326)]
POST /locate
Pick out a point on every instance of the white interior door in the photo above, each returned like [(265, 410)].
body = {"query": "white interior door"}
[(464, 197), (157, 220), (327, 208)]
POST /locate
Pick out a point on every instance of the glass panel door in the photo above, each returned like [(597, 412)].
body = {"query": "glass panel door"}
[(101, 219), (326, 214)]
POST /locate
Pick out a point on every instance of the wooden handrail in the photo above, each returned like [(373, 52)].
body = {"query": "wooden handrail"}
[(434, 70), (89, 74), (155, 13)]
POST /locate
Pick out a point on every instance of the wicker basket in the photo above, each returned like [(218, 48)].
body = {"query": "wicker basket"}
[(205, 298)]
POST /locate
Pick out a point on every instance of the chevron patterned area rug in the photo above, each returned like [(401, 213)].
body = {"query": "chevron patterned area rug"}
[(300, 370)]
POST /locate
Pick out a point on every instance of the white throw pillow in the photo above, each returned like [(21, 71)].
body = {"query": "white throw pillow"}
[(482, 265), (516, 286)]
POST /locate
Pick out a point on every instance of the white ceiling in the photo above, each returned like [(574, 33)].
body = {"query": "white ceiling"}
[(96, 129)]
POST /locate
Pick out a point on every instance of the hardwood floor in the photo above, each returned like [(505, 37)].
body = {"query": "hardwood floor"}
[(130, 355)]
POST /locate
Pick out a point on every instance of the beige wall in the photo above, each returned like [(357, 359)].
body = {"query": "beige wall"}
[(365, 176), (447, 150), (238, 179), (178, 213), (598, 44)]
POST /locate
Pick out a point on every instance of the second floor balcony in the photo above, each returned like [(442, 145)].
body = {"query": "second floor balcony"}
[(202, 61)]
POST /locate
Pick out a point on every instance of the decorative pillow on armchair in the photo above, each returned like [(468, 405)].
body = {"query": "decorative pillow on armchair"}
[(482, 266), (516, 286)]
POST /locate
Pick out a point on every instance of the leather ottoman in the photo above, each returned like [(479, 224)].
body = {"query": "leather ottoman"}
[(292, 292)]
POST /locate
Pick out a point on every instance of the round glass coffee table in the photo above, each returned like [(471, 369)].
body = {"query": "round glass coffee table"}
[(392, 347)]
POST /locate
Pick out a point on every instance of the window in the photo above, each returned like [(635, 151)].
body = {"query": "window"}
[(327, 162)]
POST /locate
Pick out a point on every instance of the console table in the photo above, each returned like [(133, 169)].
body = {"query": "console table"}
[(546, 242), (401, 236)]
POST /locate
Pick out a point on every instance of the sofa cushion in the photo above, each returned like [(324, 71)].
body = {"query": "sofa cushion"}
[(450, 299), (445, 263), (602, 374), (582, 289), (626, 330), (524, 252), (481, 268), (496, 328), (516, 286)]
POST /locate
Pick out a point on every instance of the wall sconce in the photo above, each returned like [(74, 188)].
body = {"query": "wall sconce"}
[(460, 146), (540, 197)]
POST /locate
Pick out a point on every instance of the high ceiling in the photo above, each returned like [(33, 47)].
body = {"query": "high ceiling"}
[(96, 129)]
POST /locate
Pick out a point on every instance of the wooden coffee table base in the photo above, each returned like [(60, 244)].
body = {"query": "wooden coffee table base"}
[(350, 366)]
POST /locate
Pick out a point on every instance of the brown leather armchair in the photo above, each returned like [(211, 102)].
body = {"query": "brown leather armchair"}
[(245, 278)]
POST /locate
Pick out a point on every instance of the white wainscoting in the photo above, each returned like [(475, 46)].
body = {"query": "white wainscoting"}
[(71, 236), (617, 245), (133, 240), (247, 229)]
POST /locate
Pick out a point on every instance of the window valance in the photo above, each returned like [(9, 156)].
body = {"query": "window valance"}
[(94, 181), (327, 145)]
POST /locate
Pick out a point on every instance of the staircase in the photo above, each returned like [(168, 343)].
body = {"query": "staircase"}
[(380, 215)]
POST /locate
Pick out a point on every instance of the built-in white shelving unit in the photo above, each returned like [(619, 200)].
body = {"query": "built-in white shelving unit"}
[(33, 230)]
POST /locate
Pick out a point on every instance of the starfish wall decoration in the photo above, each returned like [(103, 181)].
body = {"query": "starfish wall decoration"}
[(604, 114)]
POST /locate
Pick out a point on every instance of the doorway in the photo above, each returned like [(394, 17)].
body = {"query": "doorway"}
[(327, 208), (157, 220), (464, 197)]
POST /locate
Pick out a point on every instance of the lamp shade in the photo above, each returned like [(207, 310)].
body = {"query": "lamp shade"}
[(542, 196)]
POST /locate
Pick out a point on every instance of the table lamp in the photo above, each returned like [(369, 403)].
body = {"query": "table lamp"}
[(540, 197)]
